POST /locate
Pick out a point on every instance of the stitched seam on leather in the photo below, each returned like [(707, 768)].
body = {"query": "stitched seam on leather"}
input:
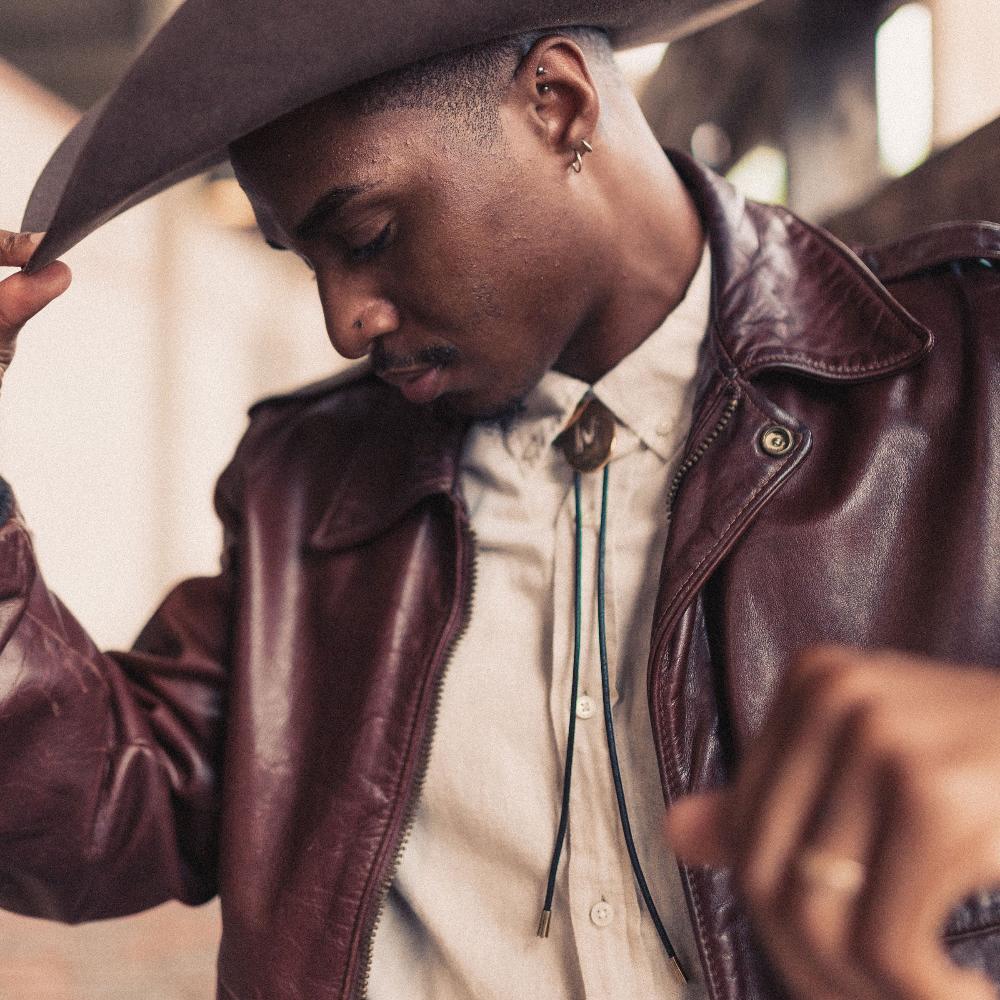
[(711, 969), (714, 973), (440, 648), (749, 503), (829, 367), (707, 409), (708, 557)]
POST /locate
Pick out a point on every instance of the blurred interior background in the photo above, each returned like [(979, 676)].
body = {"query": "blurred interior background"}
[(129, 394)]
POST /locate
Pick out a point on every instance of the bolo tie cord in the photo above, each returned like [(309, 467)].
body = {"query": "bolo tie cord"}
[(546, 918), (609, 728)]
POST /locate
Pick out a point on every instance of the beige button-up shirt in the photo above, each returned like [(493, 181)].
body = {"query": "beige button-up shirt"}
[(460, 919)]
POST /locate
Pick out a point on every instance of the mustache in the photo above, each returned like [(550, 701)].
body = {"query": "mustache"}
[(436, 356)]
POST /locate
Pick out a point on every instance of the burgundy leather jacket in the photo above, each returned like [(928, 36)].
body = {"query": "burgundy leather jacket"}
[(267, 736)]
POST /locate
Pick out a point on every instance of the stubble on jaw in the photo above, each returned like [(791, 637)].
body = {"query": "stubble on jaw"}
[(502, 417)]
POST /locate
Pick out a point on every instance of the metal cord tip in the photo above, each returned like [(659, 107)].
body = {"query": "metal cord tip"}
[(678, 970), (543, 923)]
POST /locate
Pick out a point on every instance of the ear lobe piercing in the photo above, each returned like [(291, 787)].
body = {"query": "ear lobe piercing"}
[(580, 151)]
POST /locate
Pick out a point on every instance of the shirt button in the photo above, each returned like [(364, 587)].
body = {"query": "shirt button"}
[(585, 706), (601, 913)]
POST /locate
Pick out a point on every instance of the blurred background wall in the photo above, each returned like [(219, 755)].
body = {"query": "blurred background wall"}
[(128, 395)]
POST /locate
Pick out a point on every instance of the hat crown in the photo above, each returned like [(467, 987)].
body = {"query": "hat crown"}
[(220, 69)]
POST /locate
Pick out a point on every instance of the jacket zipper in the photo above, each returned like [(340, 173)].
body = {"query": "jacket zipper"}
[(693, 458), (733, 391), (469, 538)]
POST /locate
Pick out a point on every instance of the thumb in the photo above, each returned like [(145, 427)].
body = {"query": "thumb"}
[(22, 295), (697, 829)]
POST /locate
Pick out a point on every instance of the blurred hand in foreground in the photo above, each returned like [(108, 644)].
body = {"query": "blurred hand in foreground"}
[(868, 808), (23, 295)]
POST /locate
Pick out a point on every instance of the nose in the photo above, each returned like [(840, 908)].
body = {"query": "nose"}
[(355, 314)]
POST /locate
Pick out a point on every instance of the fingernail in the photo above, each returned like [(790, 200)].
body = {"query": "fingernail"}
[(35, 238)]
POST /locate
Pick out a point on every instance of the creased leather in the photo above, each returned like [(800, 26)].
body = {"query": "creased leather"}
[(265, 738)]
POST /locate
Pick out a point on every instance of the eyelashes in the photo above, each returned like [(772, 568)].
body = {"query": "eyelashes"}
[(359, 255)]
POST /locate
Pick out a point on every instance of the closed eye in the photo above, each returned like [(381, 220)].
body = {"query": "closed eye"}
[(361, 254)]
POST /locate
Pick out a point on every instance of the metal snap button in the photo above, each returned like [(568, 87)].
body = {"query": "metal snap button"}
[(776, 441)]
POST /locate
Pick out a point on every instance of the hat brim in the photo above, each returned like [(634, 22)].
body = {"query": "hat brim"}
[(220, 69)]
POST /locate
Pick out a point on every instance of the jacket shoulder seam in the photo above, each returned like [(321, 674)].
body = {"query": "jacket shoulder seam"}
[(934, 247)]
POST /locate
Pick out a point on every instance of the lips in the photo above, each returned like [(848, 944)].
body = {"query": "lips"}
[(419, 384)]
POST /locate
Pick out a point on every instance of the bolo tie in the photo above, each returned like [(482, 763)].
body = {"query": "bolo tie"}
[(587, 442)]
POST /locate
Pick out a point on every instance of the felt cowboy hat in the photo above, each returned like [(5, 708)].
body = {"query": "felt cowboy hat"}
[(219, 69)]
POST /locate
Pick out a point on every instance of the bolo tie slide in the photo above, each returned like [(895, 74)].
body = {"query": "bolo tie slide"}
[(587, 442)]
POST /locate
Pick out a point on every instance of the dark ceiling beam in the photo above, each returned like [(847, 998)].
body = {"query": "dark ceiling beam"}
[(796, 74), (78, 73), (957, 183), (75, 49), (830, 123), (731, 76)]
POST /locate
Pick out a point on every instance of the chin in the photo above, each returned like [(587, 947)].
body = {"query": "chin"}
[(465, 407)]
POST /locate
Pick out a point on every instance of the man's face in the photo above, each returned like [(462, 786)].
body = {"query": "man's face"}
[(454, 262)]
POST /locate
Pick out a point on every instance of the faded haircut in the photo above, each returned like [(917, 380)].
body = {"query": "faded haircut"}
[(467, 86)]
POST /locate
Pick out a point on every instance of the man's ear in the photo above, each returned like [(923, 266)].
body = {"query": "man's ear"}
[(554, 89)]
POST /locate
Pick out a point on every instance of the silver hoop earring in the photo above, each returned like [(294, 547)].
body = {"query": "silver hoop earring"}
[(579, 152)]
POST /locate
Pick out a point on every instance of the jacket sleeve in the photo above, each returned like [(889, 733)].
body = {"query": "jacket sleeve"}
[(110, 763)]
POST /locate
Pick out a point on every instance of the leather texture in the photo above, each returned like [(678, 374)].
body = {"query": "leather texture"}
[(266, 738)]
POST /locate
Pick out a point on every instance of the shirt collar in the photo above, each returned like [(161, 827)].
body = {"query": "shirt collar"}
[(648, 391)]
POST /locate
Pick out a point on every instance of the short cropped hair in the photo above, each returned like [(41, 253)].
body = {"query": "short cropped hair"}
[(467, 86)]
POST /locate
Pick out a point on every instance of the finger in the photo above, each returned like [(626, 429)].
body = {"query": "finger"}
[(23, 295), (16, 248), (777, 796), (820, 897), (920, 870), (697, 829), (803, 733)]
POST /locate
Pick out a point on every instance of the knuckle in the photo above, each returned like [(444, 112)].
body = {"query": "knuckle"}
[(874, 730), (834, 691), (9, 242)]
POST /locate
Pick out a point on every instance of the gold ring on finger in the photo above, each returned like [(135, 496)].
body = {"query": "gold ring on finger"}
[(834, 873)]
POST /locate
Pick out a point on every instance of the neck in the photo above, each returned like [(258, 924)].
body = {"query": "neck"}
[(652, 233)]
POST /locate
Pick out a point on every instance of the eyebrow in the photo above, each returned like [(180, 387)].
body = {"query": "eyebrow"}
[(328, 205)]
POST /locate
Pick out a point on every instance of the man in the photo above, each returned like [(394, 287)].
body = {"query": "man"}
[(364, 759)]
